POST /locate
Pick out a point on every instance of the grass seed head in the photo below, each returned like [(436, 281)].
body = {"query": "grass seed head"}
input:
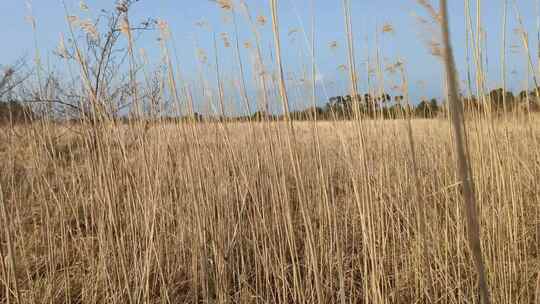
[(262, 20), (83, 6)]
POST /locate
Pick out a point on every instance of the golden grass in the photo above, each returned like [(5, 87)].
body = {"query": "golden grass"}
[(364, 211), (224, 212)]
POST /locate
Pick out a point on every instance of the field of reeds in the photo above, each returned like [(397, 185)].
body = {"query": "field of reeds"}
[(103, 206), (250, 213)]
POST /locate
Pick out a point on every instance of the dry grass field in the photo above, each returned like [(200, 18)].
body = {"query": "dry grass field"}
[(330, 212), (130, 180)]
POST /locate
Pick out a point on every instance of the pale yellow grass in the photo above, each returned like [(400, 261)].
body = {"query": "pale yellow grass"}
[(226, 213)]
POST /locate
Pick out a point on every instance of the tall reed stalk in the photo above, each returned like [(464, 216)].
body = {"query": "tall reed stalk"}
[(463, 159)]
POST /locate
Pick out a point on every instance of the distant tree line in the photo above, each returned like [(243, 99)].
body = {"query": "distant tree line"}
[(12, 111), (388, 107), (499, 100), (338, 108), (15, 112)]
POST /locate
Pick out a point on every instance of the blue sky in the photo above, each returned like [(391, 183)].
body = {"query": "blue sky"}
[(424, 71)]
